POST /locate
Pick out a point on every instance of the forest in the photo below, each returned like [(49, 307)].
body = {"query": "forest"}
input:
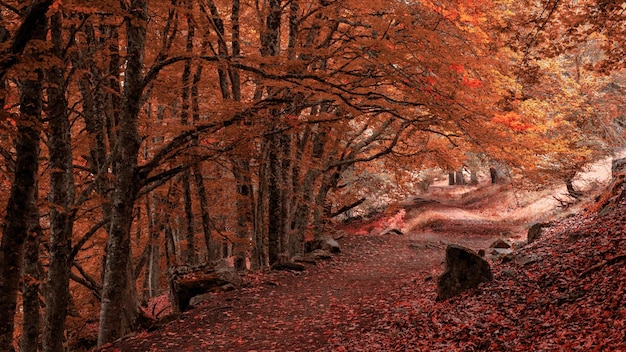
[(139, 137)]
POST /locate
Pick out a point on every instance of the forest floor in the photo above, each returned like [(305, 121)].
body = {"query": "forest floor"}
[(565, 292)]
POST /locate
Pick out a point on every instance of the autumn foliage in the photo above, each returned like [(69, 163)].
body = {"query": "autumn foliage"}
[(143, 135)]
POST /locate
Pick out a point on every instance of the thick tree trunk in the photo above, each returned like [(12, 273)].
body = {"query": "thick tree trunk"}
[(119, 312), (473, 177), (460, 180), (61, 198), (260, 250), (275, 217), (32, 276), (21, 200), (241, 171)]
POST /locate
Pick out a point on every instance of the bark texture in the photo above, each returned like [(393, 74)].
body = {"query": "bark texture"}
[(61, 198), (21, 199), (119, 313)]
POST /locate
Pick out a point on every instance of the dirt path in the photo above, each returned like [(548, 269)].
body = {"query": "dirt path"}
[(324, 308)]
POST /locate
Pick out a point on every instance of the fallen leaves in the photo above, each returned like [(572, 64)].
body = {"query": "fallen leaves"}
[(377, 296)]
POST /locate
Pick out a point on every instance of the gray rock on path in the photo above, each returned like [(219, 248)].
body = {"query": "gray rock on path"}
[(325, 243), (464, 270), (500, 243), (535, 231)]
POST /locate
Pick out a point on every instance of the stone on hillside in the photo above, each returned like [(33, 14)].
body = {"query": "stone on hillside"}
[(313, 257), (500, 252), (325, 243), (320, 254), (287, 266), (526, 259), (187, 282), (519, 244), (535, 231), (500, 243), (575, 236), (464, 270), (392, 231)]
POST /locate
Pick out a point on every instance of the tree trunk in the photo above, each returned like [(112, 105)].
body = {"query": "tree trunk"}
[(493, 172), (204, 215), (451, 181), (241, 171), (460, 180), (21, 200), (260, 249), (190, 232), (61, 198), (32, 276), (571, 190), (151, 286), (473, 177), (275, 217), (119, 312)]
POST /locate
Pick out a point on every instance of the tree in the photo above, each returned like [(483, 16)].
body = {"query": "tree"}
[(61, 196), (278, 116), (17, 223), (119, 301)]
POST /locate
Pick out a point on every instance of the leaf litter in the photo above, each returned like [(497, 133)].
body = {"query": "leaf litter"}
[(379, 295)]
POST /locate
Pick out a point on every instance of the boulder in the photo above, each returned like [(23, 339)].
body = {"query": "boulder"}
[(287, 266), (519, 244), (500, 252), (187, 282), (324, 243), (320, 254), (535, 231), (500, 243), (464, 270), (392, 231)]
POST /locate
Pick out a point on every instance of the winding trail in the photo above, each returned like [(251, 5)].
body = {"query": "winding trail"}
[(327, 307)]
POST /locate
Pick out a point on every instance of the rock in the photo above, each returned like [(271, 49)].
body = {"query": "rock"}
[(196, 300), (526, 259), (325, 243), (320, 254), (574, 237), (313, 257), (500, 243), (464, 270), (288, 266), (500, 252), (535, 231), (187, 282), (508, 257), (392, 231), (481, 253), (519, 244)]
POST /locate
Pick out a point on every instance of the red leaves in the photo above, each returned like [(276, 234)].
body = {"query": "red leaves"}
[(457, 68), (375, 296), (512, 120), (472, 82)]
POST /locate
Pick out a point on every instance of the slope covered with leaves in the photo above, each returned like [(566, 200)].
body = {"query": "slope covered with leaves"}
[(563, 292)]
